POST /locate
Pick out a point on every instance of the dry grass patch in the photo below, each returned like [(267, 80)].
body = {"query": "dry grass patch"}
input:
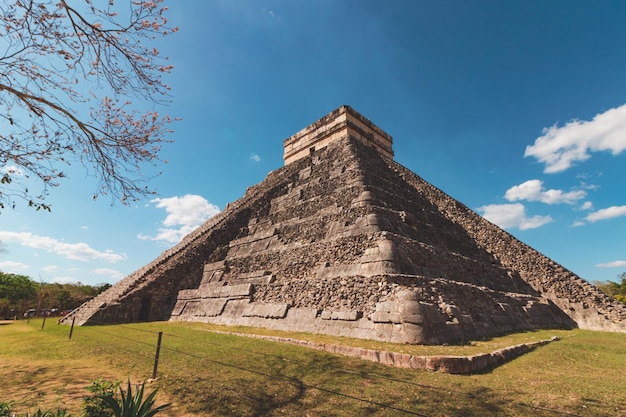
[(39, 369), (217, 374)]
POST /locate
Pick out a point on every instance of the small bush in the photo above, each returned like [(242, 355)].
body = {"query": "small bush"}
[(5, 409), (104, 402), (58, 413), (134, 405), (95, 405)]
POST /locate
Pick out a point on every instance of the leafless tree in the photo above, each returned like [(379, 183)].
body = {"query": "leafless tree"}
[(79, 82)]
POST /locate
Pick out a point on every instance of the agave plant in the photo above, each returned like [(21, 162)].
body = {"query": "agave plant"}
[(5, 409), (134, 405), (94, 405)]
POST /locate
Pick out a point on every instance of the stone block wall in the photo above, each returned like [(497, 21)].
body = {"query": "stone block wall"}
[(591, 308)]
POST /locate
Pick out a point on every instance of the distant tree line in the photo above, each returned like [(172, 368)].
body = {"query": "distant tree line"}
[(19, 294), (614, 289)]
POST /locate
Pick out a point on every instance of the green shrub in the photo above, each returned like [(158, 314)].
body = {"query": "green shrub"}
[(5, 409), (103, 402), (58, 413), (134, 405), (95, 405)]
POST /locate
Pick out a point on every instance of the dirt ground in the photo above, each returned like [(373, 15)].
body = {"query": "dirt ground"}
[(50, 384)]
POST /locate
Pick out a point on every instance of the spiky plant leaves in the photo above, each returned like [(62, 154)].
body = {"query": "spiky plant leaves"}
[(134, 405), (112, 403), (95, 405), (146, 409), (5, 409)]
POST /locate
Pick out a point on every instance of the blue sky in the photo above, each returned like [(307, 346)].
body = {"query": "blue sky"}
[(517, 109)]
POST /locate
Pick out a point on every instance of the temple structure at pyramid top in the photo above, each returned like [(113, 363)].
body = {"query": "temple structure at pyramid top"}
[(343, 122), (343, 240)]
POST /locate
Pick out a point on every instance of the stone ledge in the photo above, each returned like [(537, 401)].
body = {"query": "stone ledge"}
[(269, 311), (340, 123), (464, 365)]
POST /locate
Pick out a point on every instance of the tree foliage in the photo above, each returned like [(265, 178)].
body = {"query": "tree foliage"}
[(68, 74), (614, 289), (20, 293), (14, 288)]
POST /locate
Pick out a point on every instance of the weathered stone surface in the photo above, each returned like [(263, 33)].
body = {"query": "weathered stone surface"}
[(338, 124), (448, 364), (343, 240)]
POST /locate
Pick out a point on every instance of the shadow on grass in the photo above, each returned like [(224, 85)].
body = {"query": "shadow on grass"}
[(285, 390)]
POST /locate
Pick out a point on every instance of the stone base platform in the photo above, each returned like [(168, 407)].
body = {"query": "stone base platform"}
[(464, 365)]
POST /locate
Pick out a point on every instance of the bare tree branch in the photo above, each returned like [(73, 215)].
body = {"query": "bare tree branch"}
[(67, 76)]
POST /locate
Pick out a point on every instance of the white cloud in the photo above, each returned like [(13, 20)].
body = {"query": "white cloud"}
[(111, 273), (512, 215), (185, 214), (49, 268), (532, 190), (170, 235), (587, 186), (607, 213), (65, 280), (534, 222), (614, 264), (587, 205), (13, 267), (186, 210), (254, 157), (560, 147), (77, 251)]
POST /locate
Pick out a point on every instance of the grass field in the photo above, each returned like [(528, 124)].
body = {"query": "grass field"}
[(204, 373)]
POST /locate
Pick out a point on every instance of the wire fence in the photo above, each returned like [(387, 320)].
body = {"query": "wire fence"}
[(152, 349)]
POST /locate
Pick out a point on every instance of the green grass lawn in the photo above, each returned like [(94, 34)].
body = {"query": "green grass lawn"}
[(206, 373)]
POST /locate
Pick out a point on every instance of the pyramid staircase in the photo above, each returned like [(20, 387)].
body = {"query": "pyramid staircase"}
[(135, 282)]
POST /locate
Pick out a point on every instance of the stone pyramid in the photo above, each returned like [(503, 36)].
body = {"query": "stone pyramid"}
[(342, 240)]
